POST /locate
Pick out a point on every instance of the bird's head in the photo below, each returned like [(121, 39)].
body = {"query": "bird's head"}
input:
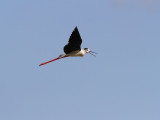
[(87, 50)]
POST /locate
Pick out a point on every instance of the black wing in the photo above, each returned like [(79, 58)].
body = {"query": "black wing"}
[(74, 42)]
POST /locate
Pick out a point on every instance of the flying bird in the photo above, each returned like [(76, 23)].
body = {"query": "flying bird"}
[(73, 48)]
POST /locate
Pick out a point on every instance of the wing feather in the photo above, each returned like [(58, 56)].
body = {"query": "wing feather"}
[(74, 42)]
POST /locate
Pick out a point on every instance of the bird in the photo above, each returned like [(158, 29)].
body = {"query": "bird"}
[(73, 47)]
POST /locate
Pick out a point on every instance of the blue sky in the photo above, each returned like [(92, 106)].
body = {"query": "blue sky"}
[(120, 83)]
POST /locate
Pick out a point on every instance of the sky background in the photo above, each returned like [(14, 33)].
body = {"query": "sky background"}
[(121, 83)]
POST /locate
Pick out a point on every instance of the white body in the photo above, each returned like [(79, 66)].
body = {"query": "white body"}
[(77, 53)]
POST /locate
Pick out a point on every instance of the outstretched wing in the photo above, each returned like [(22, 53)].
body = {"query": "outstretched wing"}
[(74, 42)]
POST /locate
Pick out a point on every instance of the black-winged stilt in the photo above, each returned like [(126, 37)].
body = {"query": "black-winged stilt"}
[(73, 48)]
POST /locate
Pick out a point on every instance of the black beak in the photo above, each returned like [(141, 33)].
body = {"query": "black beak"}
[(92, 53)]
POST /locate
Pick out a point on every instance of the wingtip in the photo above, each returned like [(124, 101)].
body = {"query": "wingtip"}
[(76, 27)]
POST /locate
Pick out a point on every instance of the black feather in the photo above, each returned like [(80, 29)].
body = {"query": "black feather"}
[(74, 42)]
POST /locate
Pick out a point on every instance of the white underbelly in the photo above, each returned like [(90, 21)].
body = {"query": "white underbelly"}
[(76, 54)]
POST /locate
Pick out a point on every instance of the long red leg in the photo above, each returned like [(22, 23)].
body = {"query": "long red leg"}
[(51, 60)]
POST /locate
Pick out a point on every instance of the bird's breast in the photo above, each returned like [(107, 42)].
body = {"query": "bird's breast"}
[(77, 53)]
